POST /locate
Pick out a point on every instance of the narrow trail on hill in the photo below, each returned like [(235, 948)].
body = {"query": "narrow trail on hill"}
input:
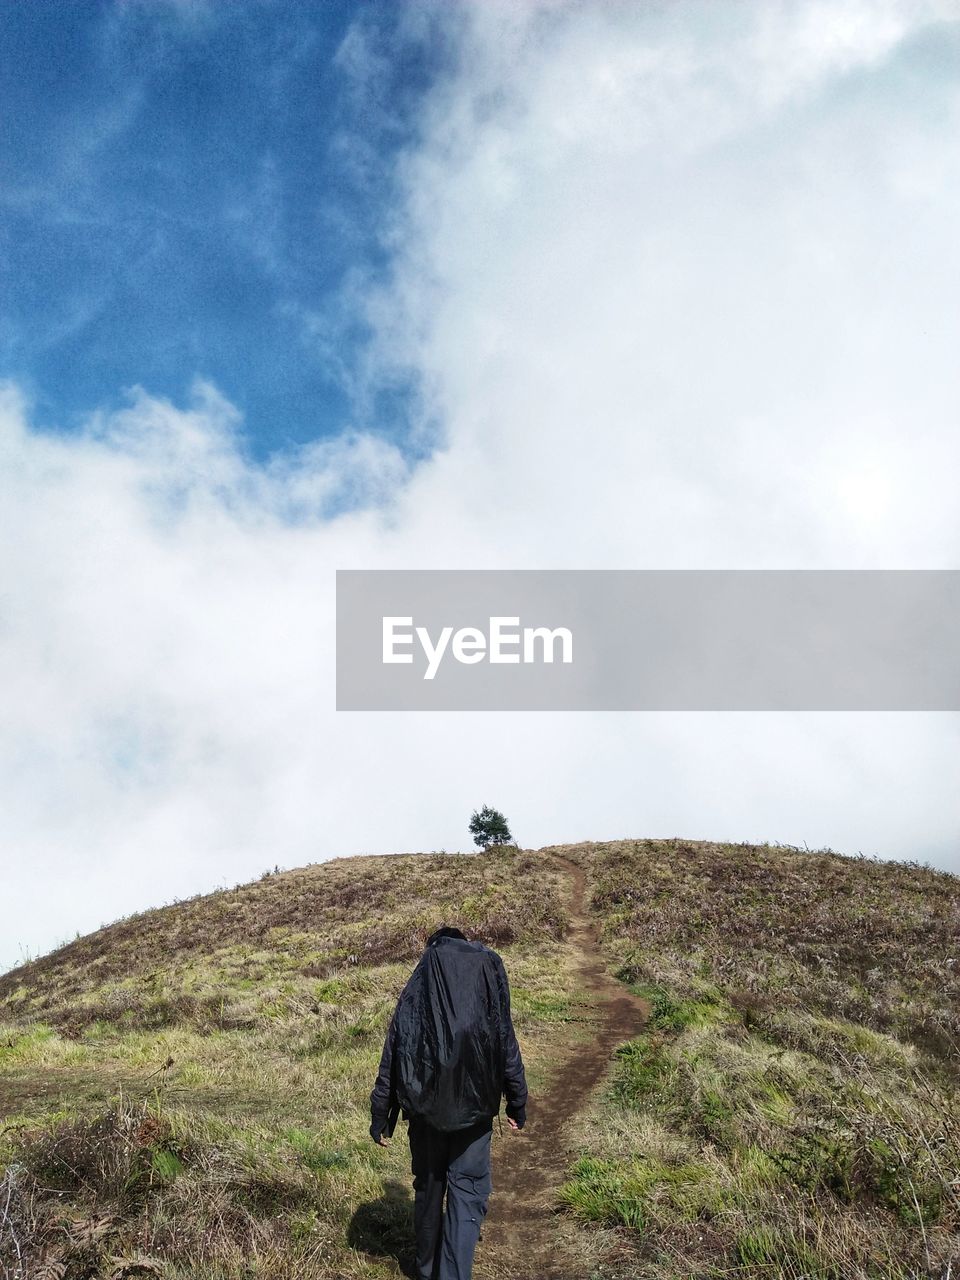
[(520, 1239)]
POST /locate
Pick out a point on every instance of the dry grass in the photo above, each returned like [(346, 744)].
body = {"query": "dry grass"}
[(791, 1110), (186, 1094), (873, 943), (224, 959)]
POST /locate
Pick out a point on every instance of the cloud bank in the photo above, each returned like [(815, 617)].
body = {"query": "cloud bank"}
[(677, 285)]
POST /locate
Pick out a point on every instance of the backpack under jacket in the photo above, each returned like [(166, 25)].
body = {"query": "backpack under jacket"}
[(451, 1048)]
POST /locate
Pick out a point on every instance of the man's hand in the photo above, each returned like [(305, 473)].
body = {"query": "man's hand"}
[(381, 1141), (513, 1124)]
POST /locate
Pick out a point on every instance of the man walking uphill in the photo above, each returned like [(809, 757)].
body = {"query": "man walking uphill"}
[(450, 1055)]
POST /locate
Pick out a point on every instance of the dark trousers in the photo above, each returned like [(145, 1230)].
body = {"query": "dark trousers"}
[(459, 1164)]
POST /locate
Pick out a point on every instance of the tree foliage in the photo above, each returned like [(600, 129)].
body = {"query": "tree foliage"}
[(489, 826)]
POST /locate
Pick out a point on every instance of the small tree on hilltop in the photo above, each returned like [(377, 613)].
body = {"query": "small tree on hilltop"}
[(488, 827)]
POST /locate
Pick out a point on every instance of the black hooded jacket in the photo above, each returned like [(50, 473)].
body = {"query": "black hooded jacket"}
[(455, 1008)]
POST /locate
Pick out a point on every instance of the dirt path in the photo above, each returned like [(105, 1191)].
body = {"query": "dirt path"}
[(520, 1237)]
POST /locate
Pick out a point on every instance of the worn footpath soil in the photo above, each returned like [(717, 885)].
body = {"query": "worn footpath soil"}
[(520, 1239)]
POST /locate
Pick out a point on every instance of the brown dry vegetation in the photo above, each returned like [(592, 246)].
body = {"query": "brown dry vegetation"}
[(791, 1108), (875, 943), (215, 960), (184, 1094)]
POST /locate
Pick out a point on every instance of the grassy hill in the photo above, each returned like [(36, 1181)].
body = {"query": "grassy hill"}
[(184, 1093), (792, 1107)]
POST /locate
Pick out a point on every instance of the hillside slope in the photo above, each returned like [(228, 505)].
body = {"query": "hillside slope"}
[(184, 1093), (791, 1107)]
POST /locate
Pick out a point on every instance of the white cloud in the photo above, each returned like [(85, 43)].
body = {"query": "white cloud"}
[(679, 282)]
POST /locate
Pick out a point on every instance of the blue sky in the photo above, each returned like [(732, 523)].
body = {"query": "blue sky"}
[(449, 284), (197, 190)]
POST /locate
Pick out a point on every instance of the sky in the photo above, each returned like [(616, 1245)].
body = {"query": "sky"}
[(289, 288)]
